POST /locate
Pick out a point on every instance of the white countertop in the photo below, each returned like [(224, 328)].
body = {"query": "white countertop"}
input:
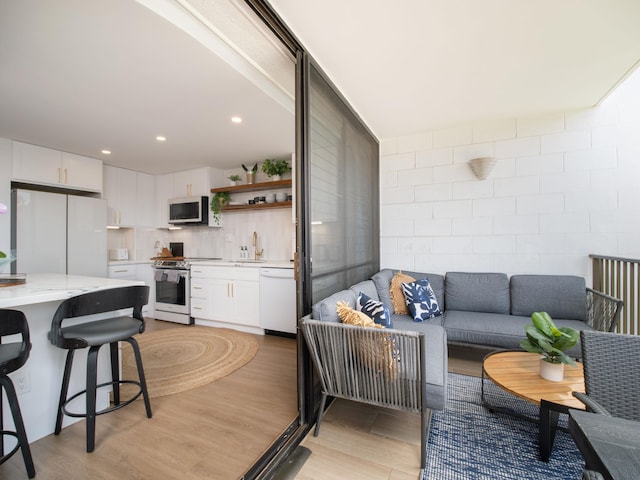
[(114, 263), (50, 287), (243, 263)]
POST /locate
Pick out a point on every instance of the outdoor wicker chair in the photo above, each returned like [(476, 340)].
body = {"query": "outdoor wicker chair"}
[(603, 311), (611, 374), (383, 367)]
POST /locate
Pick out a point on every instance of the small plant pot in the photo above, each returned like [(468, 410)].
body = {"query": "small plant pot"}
[(232, 183), (251, 176), (553, 372), (275, 178)]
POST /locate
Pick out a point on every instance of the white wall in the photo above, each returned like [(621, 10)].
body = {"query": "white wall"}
[(565, 185)]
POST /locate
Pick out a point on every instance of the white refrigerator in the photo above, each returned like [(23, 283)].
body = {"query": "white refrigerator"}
[(58, 233)]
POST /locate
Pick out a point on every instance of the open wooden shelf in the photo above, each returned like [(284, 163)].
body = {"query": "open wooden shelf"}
[(254, 187), (257, 206)]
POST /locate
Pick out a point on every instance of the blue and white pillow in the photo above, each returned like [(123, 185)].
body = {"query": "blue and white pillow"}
[(375, 310), (421, 300)]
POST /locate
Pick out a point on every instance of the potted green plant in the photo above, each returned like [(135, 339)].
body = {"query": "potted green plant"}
[(233, 180), (251, 172), (218, 201), (551, 342), (275, 168)]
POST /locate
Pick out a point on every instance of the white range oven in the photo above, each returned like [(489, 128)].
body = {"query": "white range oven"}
[(172, 284)]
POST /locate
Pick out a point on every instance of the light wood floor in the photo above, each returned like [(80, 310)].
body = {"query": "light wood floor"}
[(216, 431), (365, 442)]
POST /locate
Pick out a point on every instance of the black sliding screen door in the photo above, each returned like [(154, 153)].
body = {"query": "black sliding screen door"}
[(343, 192), (338, 208)]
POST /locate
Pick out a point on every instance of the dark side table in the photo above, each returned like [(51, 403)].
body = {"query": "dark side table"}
[(609, 445)]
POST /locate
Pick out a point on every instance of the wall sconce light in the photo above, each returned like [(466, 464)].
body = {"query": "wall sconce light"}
[(482, 167)]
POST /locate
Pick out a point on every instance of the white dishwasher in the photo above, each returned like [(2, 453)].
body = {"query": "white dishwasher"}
[(278, 300)]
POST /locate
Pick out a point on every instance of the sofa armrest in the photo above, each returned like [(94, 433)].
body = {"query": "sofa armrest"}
[(603, 311)]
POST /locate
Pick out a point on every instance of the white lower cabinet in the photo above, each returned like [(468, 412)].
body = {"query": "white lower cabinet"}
[(226, 294), (141, 272)]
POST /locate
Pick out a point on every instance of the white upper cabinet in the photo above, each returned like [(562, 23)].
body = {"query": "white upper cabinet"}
[(192, 183), (34, 164), (82, 172), (145, 204), (120, 186)]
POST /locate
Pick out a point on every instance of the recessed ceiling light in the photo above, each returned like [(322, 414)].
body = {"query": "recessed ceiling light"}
[(236, 119), (106, 152), (160, 138)]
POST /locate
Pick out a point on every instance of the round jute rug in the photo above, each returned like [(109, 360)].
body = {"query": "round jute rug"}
[(178, 359)]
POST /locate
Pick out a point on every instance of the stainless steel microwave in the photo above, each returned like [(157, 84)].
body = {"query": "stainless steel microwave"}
[(189, 211)]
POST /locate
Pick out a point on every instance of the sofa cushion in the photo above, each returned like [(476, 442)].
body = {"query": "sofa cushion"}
[(397, 295), (477, 292), (325, 310), (435, 359), (497, 330), (561, 296), (367, 287), (374, 309), (382, 281), (421, 300)]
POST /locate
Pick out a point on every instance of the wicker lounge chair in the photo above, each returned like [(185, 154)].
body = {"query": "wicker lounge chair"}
[(611, 374), (383, 367)]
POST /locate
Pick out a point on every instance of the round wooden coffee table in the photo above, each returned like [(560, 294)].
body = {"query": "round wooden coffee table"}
[(518, 373)]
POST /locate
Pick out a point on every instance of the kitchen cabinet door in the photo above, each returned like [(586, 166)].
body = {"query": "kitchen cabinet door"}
[(120, 192), (81, 172), (145, 199), (164, 191), (192, 183), (36, 164), (221, 300), (247, 302)]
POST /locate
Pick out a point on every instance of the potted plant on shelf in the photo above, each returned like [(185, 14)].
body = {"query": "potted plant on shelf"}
[(551, 342), (233, 180), (275, 168), (251, 172), (218, 201)]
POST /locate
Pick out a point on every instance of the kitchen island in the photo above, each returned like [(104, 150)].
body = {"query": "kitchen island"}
[(41, 377)]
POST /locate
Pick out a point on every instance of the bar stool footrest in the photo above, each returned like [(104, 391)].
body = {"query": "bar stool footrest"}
[(7, 456), (108, 409)]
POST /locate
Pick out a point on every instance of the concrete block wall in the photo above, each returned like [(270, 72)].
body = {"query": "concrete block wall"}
[(565, 185)]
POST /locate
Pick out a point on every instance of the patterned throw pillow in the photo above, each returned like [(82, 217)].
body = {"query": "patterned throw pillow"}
[(397, 297), (377, 311), (421, 300)]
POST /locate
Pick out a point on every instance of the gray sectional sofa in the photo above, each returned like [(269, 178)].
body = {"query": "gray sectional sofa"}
[(489, 309)]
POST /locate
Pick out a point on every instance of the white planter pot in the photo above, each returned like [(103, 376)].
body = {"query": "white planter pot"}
[(232, 183), (275, 178), (551, 371)]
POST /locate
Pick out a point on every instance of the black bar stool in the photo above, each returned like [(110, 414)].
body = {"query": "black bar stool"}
[(95, 334), (13, 356)]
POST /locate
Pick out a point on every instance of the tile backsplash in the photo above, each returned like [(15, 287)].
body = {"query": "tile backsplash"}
[(275, 229)]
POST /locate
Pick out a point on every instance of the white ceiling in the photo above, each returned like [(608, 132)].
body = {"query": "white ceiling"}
[(86, 75), (414, 65)]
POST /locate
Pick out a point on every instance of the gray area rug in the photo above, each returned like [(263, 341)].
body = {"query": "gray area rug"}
[(468, 442)]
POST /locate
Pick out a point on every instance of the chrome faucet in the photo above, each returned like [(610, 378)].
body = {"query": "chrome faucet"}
[(258, 253)]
